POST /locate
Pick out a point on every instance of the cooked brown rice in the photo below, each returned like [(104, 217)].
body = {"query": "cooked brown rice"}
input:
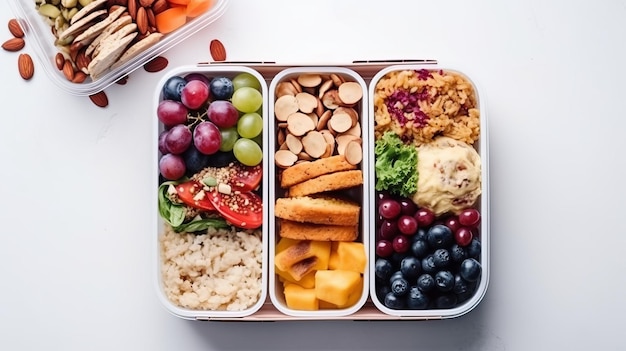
[(218, 271), (420, 105)]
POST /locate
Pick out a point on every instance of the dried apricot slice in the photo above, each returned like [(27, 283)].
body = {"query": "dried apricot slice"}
[(178, 2), (171, 19), (197, 7)]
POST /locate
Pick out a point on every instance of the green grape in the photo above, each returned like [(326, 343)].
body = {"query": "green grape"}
[(246, 79), (229, 137), (248, 152), (250, 125), (258, 139), (247, 99)]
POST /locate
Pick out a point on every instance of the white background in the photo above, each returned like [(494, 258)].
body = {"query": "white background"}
[(75, 249)]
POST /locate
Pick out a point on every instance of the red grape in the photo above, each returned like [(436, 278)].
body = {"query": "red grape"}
[(463, 236), (222, 113), (384, 248), (178, 139), (171, 113), (407, 225), (388, 229), (408, 207), (162, 148), (469, 217), (207, 138), (389, 208), (172, 166), (425, 217), (452, 222), (194, 94), (401, 244)]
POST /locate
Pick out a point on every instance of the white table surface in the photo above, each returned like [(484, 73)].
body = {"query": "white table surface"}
[(75, 250)]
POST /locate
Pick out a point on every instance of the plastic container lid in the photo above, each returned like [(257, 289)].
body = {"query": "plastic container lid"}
[(38, 32)]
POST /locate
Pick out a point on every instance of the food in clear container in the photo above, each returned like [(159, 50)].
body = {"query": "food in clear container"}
[(428, 182), (210, 196)]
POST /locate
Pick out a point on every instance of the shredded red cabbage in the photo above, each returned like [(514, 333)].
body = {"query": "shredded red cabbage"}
[(423, 74), (402, 104)]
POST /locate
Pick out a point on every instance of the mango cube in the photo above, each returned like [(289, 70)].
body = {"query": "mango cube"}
[(351, 256), (354, 297), (336, 286), (299, 298), (307, 281)]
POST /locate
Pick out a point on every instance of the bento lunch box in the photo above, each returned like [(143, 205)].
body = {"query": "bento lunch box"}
[(319, 217)]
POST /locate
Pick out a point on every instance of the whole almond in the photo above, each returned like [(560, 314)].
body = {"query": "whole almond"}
[(82, 61), (142, 20), (146, 3), (13, 44), (151, 18), (100, 99), (25, 66), (122, 81), (217, 50), (79, 77), (156, 64), (132, 9), (59, 60), (75, 48), (15, 28), (68, 70), (159, 6)]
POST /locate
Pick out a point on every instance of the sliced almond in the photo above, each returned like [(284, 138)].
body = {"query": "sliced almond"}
[(329, 151), (350, 92), (296, 85), (331, 99), (303, 156), (340, 122), (330, 138), (353, 152), (323, 120), (324, 87), (309, 80), (282, 125), (281, 136), (337, 80), (285, 88), (285, 158), (314, 144), (299, 124), (319, 110), (284, 106), (293, 143), (356, 130), (343, 140), (350, 111), (313, 118), (306, 102)]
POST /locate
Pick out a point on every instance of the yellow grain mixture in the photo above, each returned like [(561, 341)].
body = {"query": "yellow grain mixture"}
[(419, 105)]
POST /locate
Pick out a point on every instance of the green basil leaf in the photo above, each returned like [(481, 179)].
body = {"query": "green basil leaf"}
[(173, 213), (201, 225)]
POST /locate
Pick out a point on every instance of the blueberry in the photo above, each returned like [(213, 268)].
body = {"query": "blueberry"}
[(457, 253), (460, 285), (221, 88), (172, 88), (441, 258), (419, 235), (444, 281), (419, 248), (395, 275), (382, 290), (416, 300), (446, 301), (428, 264), (410, 267), (470, 270), (473, 249), (426, 282), (394, 302), (439, 236), (195, 160), (397, 257), (471, 289), (399, 287), (383, 268)]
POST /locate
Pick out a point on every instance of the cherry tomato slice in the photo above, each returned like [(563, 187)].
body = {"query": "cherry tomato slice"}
[(188, 194), (241, 209), (246, 178)]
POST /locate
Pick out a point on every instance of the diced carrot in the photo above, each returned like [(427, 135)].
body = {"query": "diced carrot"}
[(171, 19), (178, 2), (197, 7)]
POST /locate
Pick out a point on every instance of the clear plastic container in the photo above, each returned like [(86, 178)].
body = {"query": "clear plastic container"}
[(463, 303), (216, 251), (359, 194), (38, 33)]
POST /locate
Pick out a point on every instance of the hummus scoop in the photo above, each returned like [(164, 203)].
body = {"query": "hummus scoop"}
[(449, 176)]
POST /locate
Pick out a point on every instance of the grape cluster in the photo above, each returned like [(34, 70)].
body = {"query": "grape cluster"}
[(209, 121), (422, 261)]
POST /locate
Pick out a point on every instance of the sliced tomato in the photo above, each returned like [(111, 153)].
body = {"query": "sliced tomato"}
[(246, 178), (189, 194), (242, 209)]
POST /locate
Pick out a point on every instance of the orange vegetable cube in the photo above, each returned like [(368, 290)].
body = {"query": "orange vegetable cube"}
[(299, 298), (171, 19), (197, 7), (336, 286)]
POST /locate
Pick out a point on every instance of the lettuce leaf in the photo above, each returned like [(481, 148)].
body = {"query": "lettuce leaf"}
[(396, 165)]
